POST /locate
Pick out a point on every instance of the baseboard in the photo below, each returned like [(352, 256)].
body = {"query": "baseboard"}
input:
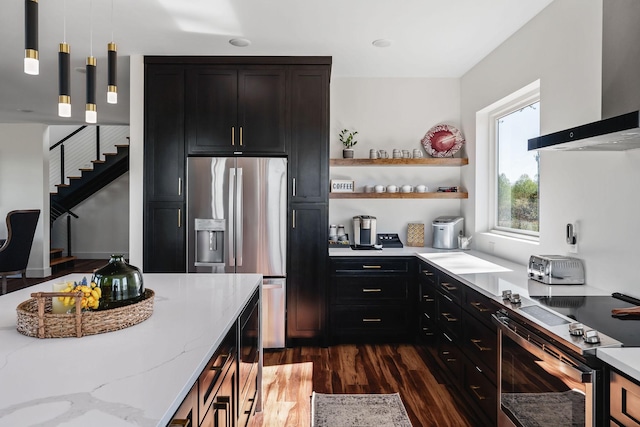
[(37, 272), (98, 255)]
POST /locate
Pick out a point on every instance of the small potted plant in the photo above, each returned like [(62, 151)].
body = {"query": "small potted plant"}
[(348, 141)]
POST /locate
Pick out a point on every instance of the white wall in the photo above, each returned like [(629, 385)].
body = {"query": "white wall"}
[(392, 113), (102, 226), (136, 159), (24, 174), (562, 47)]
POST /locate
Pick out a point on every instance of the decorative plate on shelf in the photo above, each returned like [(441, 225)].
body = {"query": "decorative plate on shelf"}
[(442, 141)]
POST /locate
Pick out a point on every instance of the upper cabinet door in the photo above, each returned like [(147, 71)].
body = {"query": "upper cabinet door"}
[(212, 110), (261, 110), (231, 110), (309, 158), (164, 133)]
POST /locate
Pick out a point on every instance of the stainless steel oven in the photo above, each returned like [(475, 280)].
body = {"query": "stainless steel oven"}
[(540, 383)]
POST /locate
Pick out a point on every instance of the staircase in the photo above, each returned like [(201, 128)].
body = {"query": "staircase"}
[(80, 187)]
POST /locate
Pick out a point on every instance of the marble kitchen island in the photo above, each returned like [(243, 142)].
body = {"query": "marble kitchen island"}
[(137, 376)]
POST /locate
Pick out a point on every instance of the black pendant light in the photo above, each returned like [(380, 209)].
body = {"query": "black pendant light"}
[(90, 110), (64, 81), (112, 74), (31, 63)]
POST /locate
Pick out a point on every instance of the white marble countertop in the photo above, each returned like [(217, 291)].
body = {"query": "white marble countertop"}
[(626, 360), (137, 376)]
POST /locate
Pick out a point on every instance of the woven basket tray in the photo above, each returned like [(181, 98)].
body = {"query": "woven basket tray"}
[(35, 318)]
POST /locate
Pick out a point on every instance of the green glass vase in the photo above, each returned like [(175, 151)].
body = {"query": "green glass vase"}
[(120, 283)]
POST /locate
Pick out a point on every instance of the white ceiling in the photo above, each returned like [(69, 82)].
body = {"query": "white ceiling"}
[(429, 38)]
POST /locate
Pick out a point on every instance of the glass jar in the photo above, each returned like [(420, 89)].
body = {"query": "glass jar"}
[(120, 283)]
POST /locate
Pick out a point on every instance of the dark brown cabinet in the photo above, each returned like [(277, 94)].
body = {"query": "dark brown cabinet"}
[(307, 265), (309, 153), (236, 110), (235, 106), (164, 234), (455, 327), (370, 299), (187, 413)]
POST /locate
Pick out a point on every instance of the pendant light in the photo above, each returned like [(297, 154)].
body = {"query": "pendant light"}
[(31, 63), (64, 75), (112, 67), (91, 112), (64, 81)]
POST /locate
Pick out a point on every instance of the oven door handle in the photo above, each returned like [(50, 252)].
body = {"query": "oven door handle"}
[(574, 370)]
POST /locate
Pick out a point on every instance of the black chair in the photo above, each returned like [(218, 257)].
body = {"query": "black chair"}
[(14, 253)]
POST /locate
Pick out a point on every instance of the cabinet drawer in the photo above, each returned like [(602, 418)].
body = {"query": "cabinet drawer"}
[(428, 274), (369, 318), (624, 400), (450, 356), (479, 305), (350, 289), (427, 332), (214, 372), (482, 343), (449, 316), (481, 390), (370, 265), (451, 287), (428, 297)]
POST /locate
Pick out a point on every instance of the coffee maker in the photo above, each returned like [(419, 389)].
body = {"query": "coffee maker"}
[(364, 230)]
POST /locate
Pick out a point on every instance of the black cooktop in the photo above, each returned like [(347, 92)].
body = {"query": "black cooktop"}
[(595, 312)]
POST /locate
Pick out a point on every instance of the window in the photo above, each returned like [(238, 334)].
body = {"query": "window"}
[(517, 171)]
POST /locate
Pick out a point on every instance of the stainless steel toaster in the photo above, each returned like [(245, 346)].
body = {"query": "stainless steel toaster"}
[(556, 269)]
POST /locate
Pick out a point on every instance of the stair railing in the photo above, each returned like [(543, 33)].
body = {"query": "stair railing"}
[(62, 210)]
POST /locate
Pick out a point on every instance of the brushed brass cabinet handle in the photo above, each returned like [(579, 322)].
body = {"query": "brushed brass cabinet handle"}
[(474, 389), (480, 307), (427, 298), (449, 317), (371, 266), (479, 346), (371, 290), (180, 423), (233, 136), (179, 218), (241, 136), (371, 320), (448, 286)]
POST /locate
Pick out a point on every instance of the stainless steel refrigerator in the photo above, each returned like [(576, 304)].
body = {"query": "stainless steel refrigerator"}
[(236, 223)]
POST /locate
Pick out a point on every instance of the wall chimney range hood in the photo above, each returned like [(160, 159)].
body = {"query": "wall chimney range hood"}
[(619, 128), (618, 133)]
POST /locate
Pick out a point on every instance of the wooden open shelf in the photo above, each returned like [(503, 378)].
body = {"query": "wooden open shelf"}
[(428, 195), (429, 161)]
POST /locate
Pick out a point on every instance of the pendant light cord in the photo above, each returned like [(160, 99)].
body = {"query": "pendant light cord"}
[(111, 20), (91, 28), (64, 21)]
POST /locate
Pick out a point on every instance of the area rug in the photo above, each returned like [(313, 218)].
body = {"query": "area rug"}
[(358, 410)]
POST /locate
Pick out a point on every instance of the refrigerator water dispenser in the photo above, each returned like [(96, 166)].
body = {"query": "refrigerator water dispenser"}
[(209, 239)]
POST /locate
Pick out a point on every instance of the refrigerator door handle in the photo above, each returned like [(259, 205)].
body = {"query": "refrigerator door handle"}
[(239, 215), (231, 227)]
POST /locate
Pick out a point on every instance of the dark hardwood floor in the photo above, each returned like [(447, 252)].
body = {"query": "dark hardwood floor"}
[(290, 375), (79, 266)]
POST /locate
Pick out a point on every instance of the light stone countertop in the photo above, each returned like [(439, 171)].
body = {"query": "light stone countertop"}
[(624, 359), (136, 376)]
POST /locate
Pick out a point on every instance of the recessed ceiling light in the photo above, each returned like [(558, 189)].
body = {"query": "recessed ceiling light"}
[(24, 110), (381, 43), (80, 70), (240, 42)]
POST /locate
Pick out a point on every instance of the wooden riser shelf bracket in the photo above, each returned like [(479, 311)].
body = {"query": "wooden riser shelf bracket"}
[(428, 195)]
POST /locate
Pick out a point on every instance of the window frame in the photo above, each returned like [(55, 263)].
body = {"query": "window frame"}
[(502, 110)]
